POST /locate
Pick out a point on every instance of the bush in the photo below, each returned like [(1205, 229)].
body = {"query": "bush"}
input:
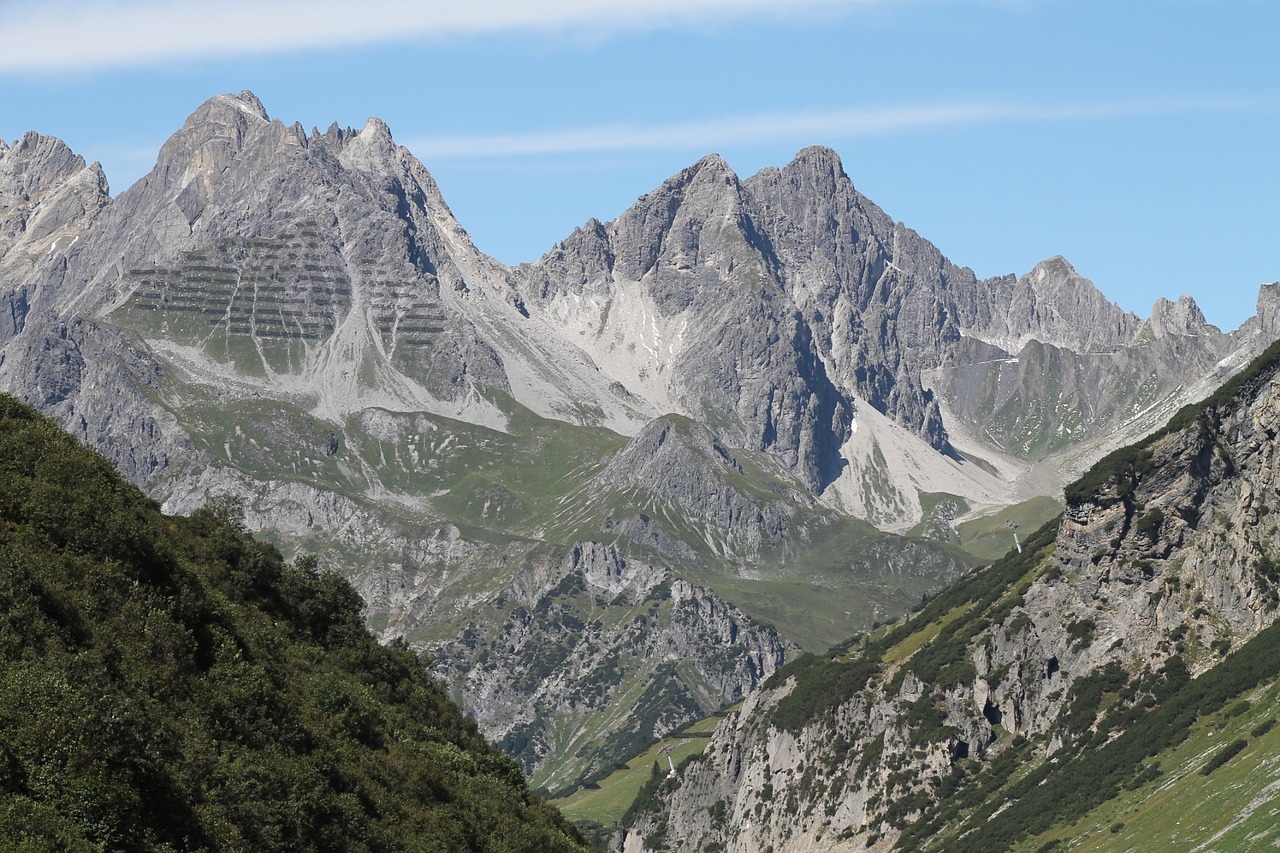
[(1081, 632), (1227, 753), (822, 685)]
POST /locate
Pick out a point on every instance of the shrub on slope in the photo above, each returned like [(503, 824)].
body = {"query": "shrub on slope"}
[(172, 684)]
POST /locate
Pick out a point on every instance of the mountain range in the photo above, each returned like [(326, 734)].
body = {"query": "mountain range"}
[(1112, 686), (609, 491)]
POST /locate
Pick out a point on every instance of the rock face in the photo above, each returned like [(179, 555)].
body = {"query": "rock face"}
[(678, 469), (1163, 561), (723, 386), (808, 302), (48, 200), (549, 674)]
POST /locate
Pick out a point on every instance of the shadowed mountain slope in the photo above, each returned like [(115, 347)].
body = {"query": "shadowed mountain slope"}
[(171, 683)]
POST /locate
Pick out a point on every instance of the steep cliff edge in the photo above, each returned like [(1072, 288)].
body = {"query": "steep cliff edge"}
[(1034, 690)]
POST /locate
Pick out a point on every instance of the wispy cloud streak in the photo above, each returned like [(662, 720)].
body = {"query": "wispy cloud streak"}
[(828, 125), (69, 35)]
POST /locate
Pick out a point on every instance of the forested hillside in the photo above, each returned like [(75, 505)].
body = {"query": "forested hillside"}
[(172, 684)]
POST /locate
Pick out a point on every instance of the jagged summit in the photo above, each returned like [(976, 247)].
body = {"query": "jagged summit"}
[(1056, 305), (246, 101), (819, 167), (228, 127), (1183, 317), (714, 163), (36, 162), (48, 200)]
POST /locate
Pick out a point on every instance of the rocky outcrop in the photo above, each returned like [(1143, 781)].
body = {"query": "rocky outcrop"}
[(543, 668), (678, 469), (1163, 562), (98, 384)]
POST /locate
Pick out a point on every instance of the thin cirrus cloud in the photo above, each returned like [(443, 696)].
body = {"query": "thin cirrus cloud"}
[(817, 124), (76, 35)]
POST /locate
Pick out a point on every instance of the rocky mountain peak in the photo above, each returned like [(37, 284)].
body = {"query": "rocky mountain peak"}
[(212, 137), (240, 110), (35, 163), (666, 453), (246, 102), (820, 165), (1056, 305), (709, 186), (1056, 268), (375, 127), (714, 164), (679, 225), (371, 148), (1176, 318), (1269, 309), (48, 197)]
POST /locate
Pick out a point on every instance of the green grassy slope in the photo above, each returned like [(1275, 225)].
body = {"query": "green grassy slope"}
[(1195, 801), (832, 576), (172, 684), (607, 803), (988, 537)]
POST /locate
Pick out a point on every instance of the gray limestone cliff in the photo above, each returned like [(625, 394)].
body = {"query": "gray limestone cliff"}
[(1162, 564), (545, 676), (806, 301)]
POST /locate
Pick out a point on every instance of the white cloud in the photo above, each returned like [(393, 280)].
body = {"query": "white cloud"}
[(828, 125), (59, 35)]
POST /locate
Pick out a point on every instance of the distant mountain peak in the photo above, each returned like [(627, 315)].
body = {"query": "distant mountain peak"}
[(246, 102), (713, 162), (376, 128), (1056, 305), (36, 162), (818, 157), (1176, 318), (1055, 266)]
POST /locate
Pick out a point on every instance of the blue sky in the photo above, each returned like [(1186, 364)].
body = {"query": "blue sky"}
[(1137, 138)]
